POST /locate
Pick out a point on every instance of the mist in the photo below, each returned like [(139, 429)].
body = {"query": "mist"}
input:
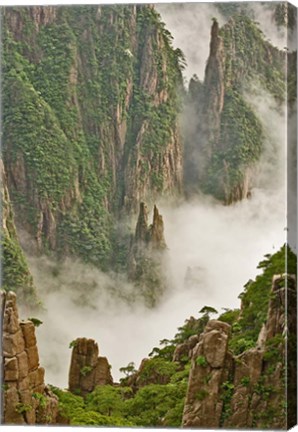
[(213, 250), (279, 37), (218, 246), (221, 245), (190, 25)]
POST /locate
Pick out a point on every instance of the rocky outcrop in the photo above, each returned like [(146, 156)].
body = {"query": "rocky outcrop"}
[(147, 256), (184, 350), (247, 391), (87, 369), (25, 398), (209, 369)]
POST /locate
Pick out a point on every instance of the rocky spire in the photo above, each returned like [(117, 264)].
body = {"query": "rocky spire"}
[(151, 236), (214, 85), (146, 258), (87, 369), (141, 233), (25, 399), (156, 232)]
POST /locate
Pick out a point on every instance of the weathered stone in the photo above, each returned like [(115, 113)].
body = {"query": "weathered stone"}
[(249, 365), (23, 364), (11, 364), (11, 372), (26, 400), (157, 238), (203, 405), (11, 402), (19, 405), (28, 330), (36, 377), (33, 357), (24, 384), (11, 375), (87, 370), (39, 389), (239, 408), (83, 360), (215, 348), (11, 302), (103, 372), (185, 348), (13, 344), (48, 414), (10, 321)]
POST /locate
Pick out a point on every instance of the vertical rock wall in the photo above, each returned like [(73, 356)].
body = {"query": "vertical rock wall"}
[(25, 398)]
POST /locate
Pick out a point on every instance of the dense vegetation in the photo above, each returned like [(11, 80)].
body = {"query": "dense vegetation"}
[(255, 299), (75, 101), (15, 274)]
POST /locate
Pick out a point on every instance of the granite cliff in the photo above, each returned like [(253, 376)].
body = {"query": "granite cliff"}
[(93, 90)]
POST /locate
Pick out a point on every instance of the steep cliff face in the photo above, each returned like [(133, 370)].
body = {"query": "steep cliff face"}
[(90, 120), (249, 390), (25, 398), (147, 257), (228, 139), (15, 272)]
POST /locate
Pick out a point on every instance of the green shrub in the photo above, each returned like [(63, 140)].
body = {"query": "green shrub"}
[(22, 408), (201, 394), (201, 361), (85, 370), (245, 381)]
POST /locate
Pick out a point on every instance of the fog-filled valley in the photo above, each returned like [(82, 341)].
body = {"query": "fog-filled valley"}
[(191, 112)]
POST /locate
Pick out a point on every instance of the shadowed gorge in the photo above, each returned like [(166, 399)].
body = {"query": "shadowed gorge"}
[(147, 153)]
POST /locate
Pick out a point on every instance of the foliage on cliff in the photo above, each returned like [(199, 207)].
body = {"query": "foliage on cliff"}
[(15, 274), (255, 298), (89, 119), (228, 138)]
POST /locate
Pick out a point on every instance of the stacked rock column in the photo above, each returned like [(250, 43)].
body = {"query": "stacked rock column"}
[(23, 378)]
